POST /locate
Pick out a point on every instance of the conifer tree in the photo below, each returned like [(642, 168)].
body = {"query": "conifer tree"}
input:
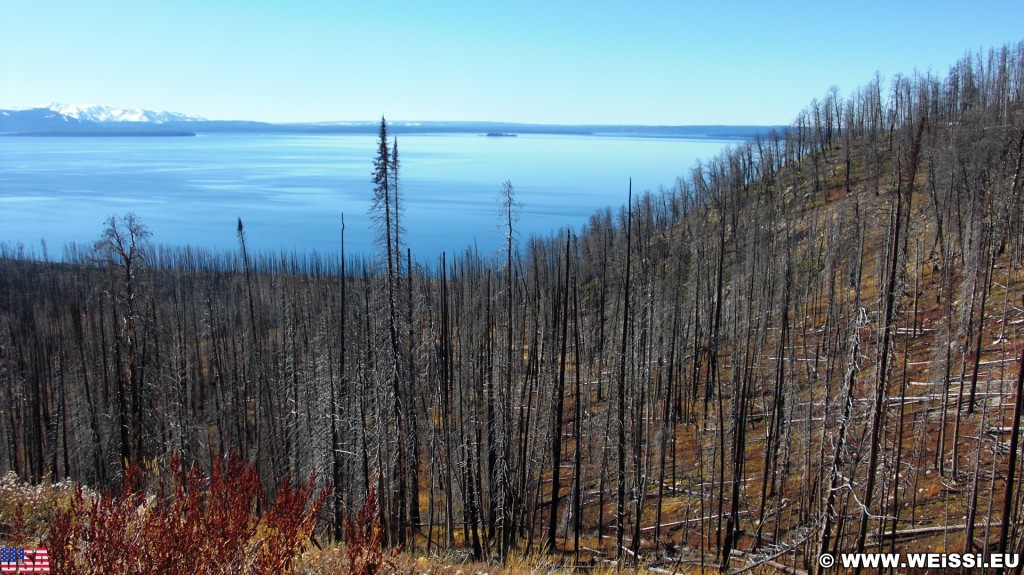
[(385, 213)]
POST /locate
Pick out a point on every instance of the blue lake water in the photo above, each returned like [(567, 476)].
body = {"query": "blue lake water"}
[(292, 189)]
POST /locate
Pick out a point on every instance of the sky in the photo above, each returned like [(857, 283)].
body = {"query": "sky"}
[(672, 62)]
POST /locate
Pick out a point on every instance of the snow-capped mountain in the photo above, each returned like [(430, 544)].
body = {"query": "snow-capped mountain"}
[(112, 114), (35, 120)]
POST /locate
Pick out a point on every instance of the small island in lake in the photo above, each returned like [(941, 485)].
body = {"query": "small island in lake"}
[(500, 135)]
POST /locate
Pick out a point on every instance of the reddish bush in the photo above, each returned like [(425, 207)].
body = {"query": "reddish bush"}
[(365, 545), (203, 526), (287, 526)]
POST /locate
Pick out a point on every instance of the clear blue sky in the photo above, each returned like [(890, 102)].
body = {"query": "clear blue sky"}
[(571, 62)]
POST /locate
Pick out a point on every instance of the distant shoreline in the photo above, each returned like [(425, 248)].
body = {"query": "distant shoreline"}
[(46, 123), (104, 134), (739, 135)]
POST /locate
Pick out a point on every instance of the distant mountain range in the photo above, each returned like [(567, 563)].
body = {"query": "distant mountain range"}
[(70, 120), (111, 114), (67, 120)]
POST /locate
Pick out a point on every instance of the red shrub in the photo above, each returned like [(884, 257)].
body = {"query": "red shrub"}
[(365, 545), (204, 526)]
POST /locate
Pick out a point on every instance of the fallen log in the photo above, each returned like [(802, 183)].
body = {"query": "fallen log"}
[(769, 561), (922, 531), (674, 524)]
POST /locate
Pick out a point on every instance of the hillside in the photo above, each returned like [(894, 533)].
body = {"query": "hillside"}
[(812, 345)]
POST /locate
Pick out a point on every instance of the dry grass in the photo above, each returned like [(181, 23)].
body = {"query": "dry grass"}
[(27, 511)]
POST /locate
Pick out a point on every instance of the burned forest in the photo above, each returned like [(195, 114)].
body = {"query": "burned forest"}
[(809, 344)]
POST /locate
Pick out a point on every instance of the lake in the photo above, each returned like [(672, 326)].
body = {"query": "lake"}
[(291, 189)]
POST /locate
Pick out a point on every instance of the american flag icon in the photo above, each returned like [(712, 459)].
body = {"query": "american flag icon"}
[(22, 560)]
